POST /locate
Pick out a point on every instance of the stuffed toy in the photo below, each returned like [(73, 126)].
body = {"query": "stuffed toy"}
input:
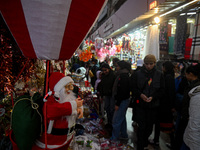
[(81, 72), (62, 110)]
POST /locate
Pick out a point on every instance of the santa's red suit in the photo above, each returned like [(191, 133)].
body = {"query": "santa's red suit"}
[(61, 115)]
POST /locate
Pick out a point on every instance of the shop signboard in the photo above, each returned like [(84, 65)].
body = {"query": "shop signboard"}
[(152, 5)]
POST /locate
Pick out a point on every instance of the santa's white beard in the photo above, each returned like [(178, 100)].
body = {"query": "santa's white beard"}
[(66, 97)]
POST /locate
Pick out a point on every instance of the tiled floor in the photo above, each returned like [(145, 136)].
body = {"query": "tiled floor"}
[(164, 138)]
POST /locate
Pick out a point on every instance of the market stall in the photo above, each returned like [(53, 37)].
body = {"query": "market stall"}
[(49, 30)]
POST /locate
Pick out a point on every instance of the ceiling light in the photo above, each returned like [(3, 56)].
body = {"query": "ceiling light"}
[(178, 8), (191, 13), (156, 10), (182, 14), (190, 21), (157, 19)]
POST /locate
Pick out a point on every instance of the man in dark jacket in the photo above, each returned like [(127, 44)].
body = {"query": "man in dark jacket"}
[(121, 94), (148, 89), (106, 85)]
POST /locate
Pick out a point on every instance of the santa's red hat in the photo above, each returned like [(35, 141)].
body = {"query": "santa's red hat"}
[(58, 80)]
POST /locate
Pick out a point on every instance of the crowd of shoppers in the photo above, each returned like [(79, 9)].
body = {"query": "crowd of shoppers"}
[(159, 97), (193, 77)]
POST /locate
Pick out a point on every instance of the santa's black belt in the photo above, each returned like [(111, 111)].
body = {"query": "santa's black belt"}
[(65, 131)]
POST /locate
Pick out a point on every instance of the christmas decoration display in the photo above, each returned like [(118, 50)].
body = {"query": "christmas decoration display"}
[(12, 62), (19, 75), (118, 48), (85, 55), (5, 112), (101, 54), (61, 113), (89, 43), (99, 43), (125, 42), (103, 50)]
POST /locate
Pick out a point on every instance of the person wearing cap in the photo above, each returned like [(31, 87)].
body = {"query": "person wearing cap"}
[(62, 108), (148, 89)]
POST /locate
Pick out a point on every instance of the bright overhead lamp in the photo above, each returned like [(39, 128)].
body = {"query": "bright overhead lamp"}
[(190, 21), (191, 13), (157, 20), (126, 25), (182, 14), (156, 10)]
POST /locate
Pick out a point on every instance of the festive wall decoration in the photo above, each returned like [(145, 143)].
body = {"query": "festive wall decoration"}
[(5, 112), (106, 49), (86, 55), (13, 81)]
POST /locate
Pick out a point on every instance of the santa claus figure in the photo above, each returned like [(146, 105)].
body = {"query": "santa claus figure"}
[(62, 110)]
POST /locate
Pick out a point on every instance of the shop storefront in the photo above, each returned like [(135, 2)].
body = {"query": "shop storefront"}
[(176, 34), (170, 37)]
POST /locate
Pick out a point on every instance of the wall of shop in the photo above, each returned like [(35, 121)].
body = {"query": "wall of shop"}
[(129, 11)]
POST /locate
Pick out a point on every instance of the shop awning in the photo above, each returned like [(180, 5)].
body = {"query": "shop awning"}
[(50, 30)]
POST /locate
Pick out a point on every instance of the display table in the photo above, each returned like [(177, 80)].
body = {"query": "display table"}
[(95, 136)]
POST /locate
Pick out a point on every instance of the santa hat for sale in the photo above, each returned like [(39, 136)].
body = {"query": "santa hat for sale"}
[(58, 80)]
